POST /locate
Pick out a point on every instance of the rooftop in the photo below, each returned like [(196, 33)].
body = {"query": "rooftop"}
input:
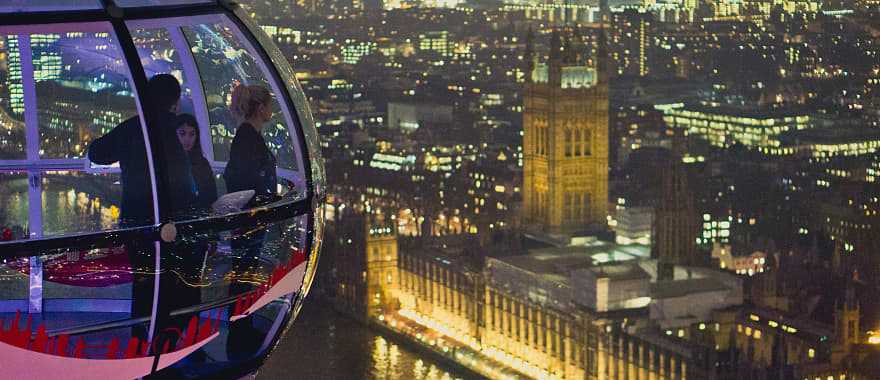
[(557, 262), (681, 288), (831, 136)]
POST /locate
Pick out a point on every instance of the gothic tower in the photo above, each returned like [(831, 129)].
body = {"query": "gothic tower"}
[(846, 324), (364, 264), (381, 259), (676, 227), (565, 143)]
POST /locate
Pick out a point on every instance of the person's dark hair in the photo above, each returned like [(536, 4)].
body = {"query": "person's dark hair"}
[(187, 119), (164, 90)]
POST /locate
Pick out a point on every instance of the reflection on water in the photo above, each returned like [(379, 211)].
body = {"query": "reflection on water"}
[(326, 345), (71, 203)]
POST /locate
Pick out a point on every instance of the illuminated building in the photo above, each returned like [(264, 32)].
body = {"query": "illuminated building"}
[(850, 216), (633, 225), (764, 7), (436, 42), (822, 144), (767, 338), (13, 75), (676, 227), (534, 301), (649, 354), (749, 264), (565, 144), (555, 12), (353, 51), (445, 285), (715, 230), (410, 116), (47, 63), (382, 269), (393, 162), (630, 41), (366, 264), (724, 126)]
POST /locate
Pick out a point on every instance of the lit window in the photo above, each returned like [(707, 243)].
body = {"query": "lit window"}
[(811, 353)]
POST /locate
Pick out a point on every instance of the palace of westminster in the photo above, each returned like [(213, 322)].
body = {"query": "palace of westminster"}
[(565, 301)]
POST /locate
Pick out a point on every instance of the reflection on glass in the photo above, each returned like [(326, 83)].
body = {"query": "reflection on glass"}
[(149, 3), (13, 206), (223, 63), (82, 90), (12, 140), (75, 202), (159, 56), (234, 262), (15, 6)]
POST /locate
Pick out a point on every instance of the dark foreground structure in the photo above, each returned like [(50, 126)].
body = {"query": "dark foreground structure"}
[(128, 267)]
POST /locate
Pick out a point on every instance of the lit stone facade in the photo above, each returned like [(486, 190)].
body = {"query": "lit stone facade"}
[(443, 290), (539, 341), (565, 144), (366, 265), (382, 269)]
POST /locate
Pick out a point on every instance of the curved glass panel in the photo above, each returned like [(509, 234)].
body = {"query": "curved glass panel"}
[(16, 6), (73, 161), (307, 127), (159, 55), (153, 3), (14, 199), (72, 70), (224, 63), (83, 168), (12, 141)]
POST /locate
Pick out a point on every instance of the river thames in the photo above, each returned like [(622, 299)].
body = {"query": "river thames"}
[(323, 344)]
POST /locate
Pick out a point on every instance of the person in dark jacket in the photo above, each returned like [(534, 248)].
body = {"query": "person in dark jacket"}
[(125, 145), (251, 164), (188, 134)]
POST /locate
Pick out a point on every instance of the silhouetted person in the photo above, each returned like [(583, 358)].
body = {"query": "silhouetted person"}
[(187, 129), (125, 145), (251, 167), (251, 164)]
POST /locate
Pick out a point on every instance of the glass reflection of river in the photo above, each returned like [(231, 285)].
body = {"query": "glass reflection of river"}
[(323, 344), (72, 202)]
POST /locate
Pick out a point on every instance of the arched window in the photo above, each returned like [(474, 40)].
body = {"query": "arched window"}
[(568, 142)]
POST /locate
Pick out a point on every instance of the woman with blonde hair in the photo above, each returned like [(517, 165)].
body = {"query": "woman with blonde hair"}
[(251, 164)]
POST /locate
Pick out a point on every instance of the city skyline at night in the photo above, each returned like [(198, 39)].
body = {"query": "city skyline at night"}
[(741, 154)]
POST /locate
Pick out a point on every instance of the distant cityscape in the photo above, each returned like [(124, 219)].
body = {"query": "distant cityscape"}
[(611, 190)]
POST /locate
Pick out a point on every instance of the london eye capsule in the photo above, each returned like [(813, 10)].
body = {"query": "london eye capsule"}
[(160, 182)]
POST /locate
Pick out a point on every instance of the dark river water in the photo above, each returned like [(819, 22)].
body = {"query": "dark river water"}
[(323, 344)]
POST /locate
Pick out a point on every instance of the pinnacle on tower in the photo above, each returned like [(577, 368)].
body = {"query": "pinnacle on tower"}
[(530, 54), (568, 54), (555, 45)]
